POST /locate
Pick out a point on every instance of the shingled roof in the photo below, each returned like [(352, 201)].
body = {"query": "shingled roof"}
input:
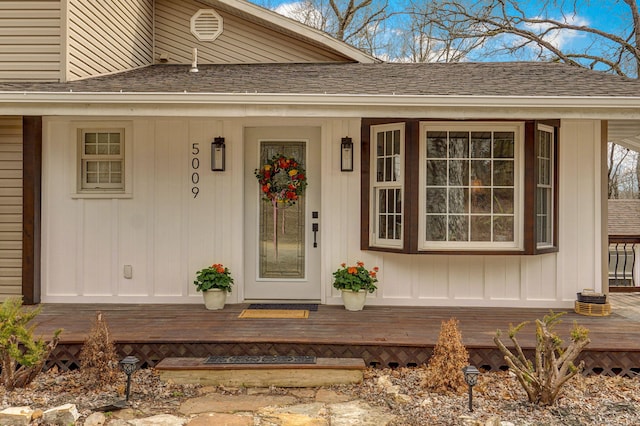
[(511, 79), (624, 218)]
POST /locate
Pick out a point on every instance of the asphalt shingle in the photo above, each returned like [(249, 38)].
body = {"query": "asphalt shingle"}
[(520, 79)]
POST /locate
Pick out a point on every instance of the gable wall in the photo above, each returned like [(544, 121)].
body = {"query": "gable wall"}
[(30, 40), (108, 36), (240, 42), (10, 206)]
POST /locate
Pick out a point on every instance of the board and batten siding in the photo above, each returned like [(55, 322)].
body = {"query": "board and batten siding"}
[(167, 235), (241, 41), (10, 207), (108, 36), (30, 40)]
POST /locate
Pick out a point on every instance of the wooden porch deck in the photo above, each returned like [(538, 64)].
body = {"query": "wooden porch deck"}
[(382, 336)]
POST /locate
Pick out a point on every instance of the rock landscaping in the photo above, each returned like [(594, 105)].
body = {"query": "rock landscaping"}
[(385, 397)]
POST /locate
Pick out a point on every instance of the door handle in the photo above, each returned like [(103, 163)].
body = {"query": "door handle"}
[(314, 228)]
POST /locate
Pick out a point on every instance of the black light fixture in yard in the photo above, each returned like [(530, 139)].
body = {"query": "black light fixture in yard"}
[(471, 377), (129, 364), (346, 154)]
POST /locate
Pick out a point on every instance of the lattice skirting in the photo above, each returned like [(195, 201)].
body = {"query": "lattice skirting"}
[(66, 356)]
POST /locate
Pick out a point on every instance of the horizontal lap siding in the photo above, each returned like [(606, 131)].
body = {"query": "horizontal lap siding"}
[(107, 37), (241, 41), (30, 41), (10, 206)]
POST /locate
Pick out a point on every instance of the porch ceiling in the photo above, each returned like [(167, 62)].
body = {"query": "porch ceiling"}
[(625, 133)]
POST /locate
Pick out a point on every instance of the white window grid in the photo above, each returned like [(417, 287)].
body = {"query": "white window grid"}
[(446, 127), (102, 159), (387, 182), (544, 186)]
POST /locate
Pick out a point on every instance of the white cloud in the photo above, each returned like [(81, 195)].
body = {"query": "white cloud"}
[(301, 12), (560, 38)]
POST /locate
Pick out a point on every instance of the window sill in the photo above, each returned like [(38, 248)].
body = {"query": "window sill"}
[(101, 195)]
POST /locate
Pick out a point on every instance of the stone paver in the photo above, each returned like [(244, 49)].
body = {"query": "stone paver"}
[(358, 413), (222, 419), (300, 407), (232, 403), (330, 397), (273, 410)]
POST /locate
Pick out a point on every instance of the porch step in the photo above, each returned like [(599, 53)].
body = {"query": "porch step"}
[(324, 372)]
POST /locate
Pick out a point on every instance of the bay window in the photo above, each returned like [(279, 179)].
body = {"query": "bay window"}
[(459, 187)]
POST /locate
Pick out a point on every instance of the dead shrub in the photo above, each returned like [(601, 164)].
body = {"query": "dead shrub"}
[(444, 369), (98, 358)]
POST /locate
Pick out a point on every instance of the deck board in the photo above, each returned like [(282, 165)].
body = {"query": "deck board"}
[(375, 329)]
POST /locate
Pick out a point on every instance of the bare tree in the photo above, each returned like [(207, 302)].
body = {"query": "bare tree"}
[(356, 22), (622, 172), (421, 39), (535, 29)]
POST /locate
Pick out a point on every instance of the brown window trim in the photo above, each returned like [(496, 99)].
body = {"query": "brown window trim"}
[(411, 188)]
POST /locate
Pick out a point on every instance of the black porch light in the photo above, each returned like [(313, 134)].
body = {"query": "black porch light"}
[(218, 154), (346, 154), (471, 377), (129, 364)]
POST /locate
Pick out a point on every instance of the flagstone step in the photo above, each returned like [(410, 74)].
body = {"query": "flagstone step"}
[(324, 372)]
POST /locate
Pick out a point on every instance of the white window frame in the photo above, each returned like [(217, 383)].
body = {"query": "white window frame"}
[(550, 186), (375, 240), (84, 189), (518, 215)]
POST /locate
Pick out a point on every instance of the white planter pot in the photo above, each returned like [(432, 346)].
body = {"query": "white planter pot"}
[(214, 298), (354, 300)]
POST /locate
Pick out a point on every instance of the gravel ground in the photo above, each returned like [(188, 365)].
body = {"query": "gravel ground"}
[(589, 401)]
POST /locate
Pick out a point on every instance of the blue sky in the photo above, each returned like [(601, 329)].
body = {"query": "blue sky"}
[(608, 16)]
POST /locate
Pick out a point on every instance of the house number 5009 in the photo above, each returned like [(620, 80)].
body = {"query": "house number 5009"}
[(195, 165)]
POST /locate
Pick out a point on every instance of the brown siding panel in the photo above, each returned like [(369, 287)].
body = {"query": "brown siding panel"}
[(107, 37), (10, 206), (30, 44), (241, 41)]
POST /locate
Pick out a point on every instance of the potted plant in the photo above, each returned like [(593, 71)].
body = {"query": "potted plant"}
[(355, 282), (214, 282)]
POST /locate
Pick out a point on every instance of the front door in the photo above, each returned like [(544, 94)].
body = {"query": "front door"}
[(282, 246)]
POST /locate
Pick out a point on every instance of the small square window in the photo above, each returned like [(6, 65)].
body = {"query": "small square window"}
[(101, 160)]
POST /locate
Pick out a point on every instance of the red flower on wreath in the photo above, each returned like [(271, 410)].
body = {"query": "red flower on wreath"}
[(282, 180)]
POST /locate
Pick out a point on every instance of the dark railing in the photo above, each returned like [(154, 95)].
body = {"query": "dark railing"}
[(622, 264)]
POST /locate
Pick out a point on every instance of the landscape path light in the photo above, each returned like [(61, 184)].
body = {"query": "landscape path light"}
[(129, 364), (471, 377)]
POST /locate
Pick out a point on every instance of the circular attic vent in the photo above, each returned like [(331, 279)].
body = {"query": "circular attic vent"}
[(206, 25)]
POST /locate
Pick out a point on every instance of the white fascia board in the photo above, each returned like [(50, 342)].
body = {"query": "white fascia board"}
[(347, 105), (297, 27)]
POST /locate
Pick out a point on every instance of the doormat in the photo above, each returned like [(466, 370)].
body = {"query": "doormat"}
[(274, 313), (290, 306), (261, 359)]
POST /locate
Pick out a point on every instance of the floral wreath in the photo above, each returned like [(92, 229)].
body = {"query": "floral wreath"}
[(282, 180)]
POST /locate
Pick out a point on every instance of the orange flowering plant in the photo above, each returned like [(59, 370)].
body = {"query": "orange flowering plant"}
[(214, 276), (282, 180), (355, 278)]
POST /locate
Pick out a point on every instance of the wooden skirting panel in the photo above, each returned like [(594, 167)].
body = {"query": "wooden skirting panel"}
[(608, 363)]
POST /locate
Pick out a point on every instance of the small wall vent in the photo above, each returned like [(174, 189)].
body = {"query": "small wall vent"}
[(206, 25)]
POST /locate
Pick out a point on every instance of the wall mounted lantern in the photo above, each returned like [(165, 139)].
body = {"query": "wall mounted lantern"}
[(471, 377), (346, 155), (217, 154)]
